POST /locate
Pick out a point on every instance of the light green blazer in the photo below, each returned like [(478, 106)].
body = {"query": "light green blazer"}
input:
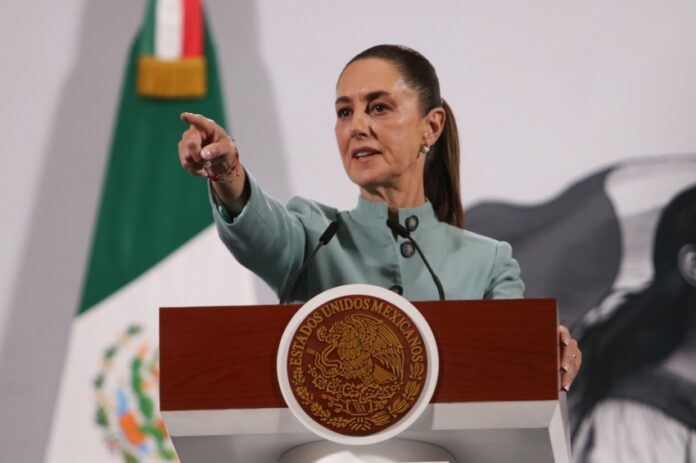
[(272, 240)]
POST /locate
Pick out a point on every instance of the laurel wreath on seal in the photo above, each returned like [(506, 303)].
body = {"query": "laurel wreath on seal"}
[(400, 405)]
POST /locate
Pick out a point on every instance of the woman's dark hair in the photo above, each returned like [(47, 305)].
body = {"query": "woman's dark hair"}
[(650, 324), (441, 174)]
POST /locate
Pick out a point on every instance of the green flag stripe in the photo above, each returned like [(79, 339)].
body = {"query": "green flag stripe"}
[(147, 36), (150, 206)]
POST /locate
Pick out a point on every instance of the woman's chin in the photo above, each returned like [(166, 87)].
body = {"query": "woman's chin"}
[(367, 180)]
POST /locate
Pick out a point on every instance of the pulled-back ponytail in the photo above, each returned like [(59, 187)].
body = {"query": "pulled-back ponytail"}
[(441, 173)]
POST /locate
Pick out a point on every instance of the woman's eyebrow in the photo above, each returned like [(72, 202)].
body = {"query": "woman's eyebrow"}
[(369, 97), (376, 94)]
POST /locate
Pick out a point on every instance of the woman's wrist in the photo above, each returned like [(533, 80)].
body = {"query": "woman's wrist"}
[(232, 189)]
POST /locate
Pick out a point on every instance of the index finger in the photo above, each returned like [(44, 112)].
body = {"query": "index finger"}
[(202, 123)]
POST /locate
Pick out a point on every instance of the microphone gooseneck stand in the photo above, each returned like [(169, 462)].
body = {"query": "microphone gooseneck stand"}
[(323, 241), (400, 230)]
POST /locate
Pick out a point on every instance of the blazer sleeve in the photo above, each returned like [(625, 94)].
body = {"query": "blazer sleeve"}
[(504, 280), (267, 237)]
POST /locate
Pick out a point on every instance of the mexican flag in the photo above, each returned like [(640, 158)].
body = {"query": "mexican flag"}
[(154, 245)]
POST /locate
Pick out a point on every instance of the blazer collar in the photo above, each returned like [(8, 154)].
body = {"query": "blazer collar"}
[(374, 214)]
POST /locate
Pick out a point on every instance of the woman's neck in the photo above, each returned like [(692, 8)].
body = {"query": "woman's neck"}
[(396, 199)]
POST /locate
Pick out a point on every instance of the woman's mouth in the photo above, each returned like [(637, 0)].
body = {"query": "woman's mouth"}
[(361, 153)]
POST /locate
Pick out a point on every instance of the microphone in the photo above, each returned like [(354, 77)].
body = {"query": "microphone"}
[(323, 241), (400, 230)]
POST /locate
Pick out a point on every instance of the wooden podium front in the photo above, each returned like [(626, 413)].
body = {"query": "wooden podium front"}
[(497, 398)]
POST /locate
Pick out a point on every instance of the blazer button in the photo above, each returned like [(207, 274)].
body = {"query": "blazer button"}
[(407, 249), (412, 223), (397, 289)]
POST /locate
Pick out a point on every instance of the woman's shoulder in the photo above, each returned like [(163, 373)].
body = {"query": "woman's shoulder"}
[(488, 261), (485, 248), (469, 238), (311, 211)]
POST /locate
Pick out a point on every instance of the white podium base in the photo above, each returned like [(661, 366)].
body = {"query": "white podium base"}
[(391, 451), (484, 432)]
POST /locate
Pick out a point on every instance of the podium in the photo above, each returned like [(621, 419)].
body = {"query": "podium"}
[(497, 397)]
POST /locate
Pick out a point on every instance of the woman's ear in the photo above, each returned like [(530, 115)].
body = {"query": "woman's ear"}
[(435, 123), (687, 263)]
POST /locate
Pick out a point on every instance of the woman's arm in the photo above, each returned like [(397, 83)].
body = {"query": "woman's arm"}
[(267, 237), (260, 232), (504, 281)]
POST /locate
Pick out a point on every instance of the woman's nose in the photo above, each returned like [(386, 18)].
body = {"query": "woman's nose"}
[(359, 125)]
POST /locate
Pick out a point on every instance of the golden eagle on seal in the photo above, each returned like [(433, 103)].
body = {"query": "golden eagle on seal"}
[(361, 347)]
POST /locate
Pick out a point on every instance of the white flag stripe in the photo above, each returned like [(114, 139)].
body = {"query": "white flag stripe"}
[(169, 29), (200, 273)]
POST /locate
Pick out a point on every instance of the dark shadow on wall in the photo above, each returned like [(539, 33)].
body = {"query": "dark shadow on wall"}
[(250, 104), (49, 280), (45, 298)]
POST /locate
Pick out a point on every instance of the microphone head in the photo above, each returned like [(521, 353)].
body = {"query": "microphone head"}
[(397, 228), (329, 233)]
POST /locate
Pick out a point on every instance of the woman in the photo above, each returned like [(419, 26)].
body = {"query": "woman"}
[(636, 397), (398, 142)]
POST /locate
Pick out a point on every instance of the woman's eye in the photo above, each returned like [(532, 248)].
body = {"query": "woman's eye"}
[(342, 113), (378, 108)]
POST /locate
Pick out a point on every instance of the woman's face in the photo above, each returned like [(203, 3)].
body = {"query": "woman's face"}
[(379, 128)]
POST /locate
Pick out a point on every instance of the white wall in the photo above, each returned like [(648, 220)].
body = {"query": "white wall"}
[(544, 92)]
